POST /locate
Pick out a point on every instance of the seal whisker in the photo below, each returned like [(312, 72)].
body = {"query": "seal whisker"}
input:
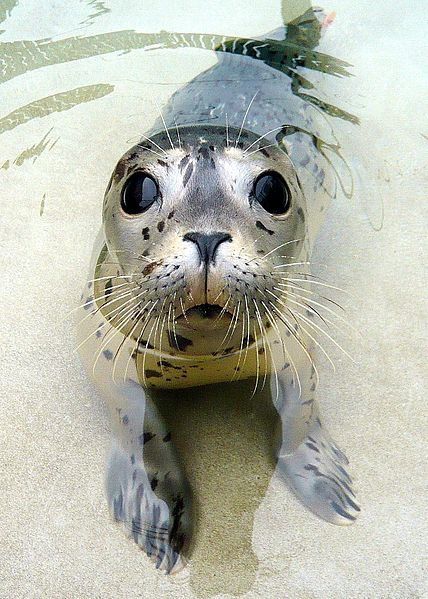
[(288, 264), (318, 281), (183, 310), (161, 330), (123, 321), (174, 323), (236, 369), (269, 346), (88, 302), (280, 128), (178, 135), (293, 332), (125, 338), (151, 151), (165, 127), (245, 117), (309, 291), (262, 336), (219, 317), (139, 257), (248, 330), (286, 353), (259, 149), (110, 277), (144, 324), (103, 306), (284, 320), (256, 384), (131, 333), (121, 308), (314, 325), (229, 327), (305, 306), (277, 248), (308, 303), (155, 144), (154, 326)]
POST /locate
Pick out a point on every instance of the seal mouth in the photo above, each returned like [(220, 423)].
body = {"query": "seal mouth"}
[(206, 311), (205, 317)]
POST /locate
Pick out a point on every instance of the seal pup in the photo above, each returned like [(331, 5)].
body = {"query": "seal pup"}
[(200, 275)]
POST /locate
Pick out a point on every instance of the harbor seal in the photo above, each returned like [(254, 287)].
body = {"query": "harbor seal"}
[(201, 275)]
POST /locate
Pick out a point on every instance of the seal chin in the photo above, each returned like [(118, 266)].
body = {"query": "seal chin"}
[(205, 317)]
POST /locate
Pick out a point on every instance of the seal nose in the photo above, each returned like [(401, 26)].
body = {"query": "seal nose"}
[(207, 244)]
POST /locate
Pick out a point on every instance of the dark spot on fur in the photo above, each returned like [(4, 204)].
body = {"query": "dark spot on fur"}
[(166, 364), (261, 351), (109, 185), (125, 420), (264, 152), (301, 214), (120, 170), (312, 446), (261, 226), (108, 288), (170, 215), (178, 341), (161, 226), (167, 438), (146, 233), (154, 483), (145, 438), (108, 355), (152, 374), (183, 162), (187, 174), (204, 152), (147, 270), (162, 162)]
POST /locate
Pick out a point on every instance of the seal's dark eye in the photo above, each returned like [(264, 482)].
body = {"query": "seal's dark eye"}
[(272, 193), (139, 193)]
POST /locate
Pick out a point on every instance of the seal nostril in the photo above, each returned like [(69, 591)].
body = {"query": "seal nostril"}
[(207, 244)]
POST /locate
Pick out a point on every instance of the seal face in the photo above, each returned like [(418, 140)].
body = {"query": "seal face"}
[(199, 234), (201, 276)]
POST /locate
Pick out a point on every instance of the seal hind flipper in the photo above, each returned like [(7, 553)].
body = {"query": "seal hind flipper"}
[(317, 474)]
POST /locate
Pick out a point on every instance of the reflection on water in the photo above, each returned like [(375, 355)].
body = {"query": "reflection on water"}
[(225, 440), (55, 103)]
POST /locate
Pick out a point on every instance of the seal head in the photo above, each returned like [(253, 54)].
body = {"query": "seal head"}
[(203, 229)]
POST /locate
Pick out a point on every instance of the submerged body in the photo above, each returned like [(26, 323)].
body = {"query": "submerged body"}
[(200, 276)]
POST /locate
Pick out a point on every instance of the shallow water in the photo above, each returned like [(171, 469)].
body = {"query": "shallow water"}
[(79, 83)]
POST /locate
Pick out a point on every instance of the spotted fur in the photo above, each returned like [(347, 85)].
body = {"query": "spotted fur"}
[(156, 316)]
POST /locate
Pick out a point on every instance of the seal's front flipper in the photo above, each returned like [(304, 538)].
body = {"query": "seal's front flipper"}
[(153, 507), (316, 472)]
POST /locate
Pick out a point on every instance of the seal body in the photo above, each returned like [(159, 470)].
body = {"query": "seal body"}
[(200, 275)]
